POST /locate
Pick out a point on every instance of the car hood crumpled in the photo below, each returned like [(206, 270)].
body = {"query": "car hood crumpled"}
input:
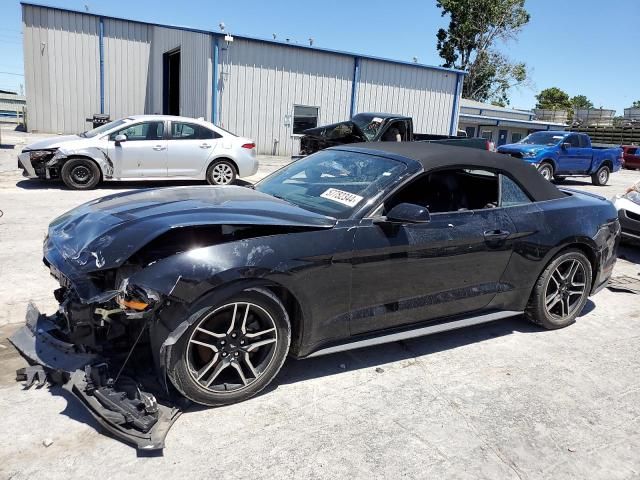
[(104, 233)]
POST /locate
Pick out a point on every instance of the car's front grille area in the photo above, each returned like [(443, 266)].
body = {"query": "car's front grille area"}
[(632, 216)]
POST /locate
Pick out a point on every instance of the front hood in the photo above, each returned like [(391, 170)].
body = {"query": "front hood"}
[(521, 148), (104, 233), (53, 142)]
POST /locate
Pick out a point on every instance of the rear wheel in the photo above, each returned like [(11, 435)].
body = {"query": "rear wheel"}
[(221, 173), (601, 177), (80, 174), (232, 350), (561, 291), (546, 170)]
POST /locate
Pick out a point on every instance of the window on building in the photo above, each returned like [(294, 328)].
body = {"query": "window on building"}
[(516, 137), (304, 118), (141, 131), (487, 135), (471, 131)]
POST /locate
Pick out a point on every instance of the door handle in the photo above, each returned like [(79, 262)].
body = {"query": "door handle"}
[(205, 145), (496, 235), (158, 148)]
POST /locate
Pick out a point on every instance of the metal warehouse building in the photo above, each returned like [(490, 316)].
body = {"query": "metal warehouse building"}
[(79, 63)]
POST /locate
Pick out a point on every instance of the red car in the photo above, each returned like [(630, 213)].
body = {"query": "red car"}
[(631, 155)]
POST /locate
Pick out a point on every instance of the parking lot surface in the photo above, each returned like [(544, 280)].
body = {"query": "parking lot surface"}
[(503, 400)]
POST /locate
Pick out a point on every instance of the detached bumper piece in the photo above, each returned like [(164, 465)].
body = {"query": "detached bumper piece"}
[(120, 406)]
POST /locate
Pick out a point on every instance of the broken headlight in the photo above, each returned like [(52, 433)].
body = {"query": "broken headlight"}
[(139, 299)]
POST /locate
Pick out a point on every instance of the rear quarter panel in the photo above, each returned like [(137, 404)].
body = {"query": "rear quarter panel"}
[(546, 228)]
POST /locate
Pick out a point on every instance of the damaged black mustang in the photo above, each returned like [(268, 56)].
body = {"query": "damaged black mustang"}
[(200, 293)]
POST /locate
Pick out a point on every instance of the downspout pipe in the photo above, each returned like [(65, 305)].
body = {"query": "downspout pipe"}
[(456, 103), (354, 86), (101, 54), (214, 81)]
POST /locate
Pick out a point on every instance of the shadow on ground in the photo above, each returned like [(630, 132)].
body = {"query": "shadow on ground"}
[(130, 185)]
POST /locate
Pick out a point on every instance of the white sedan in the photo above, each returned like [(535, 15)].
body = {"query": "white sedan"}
[(142, 147)]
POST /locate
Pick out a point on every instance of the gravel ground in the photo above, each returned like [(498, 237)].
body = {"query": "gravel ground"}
[(504, 400)]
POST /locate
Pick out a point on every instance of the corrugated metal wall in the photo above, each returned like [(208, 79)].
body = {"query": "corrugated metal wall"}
[(195, 70), (61, 63), (426, 95), (127, 46), (259, 83)]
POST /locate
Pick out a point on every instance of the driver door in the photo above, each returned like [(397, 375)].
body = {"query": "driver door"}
[(143, 154), (408, 273)]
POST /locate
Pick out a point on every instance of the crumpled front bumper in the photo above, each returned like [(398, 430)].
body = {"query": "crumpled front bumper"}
[(24, 162), (39, 342)]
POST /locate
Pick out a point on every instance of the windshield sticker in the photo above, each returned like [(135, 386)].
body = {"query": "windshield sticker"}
[(346, 198), (376, 120)]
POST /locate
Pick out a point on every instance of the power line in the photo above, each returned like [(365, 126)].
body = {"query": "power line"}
[(12, 73)]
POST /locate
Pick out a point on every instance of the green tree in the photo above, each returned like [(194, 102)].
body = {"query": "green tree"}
[(581, 101), (636, 104), (475, 27), (554, 99)]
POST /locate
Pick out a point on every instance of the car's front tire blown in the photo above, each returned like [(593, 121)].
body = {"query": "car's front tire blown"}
[(232, 350)]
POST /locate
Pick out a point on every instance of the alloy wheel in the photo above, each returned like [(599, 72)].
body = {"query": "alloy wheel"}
[(603, 176), (231, 347), (546, 173), (222, 174), (565, 289)]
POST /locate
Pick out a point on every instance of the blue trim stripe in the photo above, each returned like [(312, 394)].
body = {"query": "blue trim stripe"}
[(101, 53), (214, 81), (456, 102), (255, 39), (354, 86)]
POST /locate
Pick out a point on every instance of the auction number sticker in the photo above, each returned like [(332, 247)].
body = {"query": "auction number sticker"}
[(346, 198)]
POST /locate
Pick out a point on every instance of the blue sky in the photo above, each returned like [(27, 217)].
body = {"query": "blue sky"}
[(587, 47)]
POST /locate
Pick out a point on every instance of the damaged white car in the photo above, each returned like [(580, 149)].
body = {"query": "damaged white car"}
[(142, 147)]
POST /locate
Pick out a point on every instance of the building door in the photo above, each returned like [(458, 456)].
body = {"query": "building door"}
[(171, 82), (502, 137), (471, 131)]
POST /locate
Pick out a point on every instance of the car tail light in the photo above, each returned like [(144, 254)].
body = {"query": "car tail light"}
[(249, 145)]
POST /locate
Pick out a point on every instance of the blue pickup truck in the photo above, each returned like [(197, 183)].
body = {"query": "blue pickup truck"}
[(565, 154)]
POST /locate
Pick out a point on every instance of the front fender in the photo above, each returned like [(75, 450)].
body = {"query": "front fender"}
[(97, 154)]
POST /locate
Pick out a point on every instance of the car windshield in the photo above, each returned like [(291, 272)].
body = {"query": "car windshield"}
[(542, 138), (103, 128), (633, 196), (369, 124), (332, 182)]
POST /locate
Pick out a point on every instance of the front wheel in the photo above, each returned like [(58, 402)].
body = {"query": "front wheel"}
[(561, 291), (232, 350), (546, 170), (601, 177), (221, 172), (80, 174)]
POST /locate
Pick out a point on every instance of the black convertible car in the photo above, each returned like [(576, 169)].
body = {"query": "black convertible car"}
[(202, 292)]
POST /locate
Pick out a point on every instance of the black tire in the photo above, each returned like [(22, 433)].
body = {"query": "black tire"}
[(542, 310), (192, 365), (80, 174), (546, 170), (221, 172), (601, 177)]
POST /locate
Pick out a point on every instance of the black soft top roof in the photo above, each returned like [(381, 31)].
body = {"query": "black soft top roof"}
[(434, 156)]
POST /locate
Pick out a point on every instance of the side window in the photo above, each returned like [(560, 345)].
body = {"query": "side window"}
[(184, 131), (304, 118), (573, 140), (450, 191), (510, 193), (141, 131), (206, 134), (584, 142)]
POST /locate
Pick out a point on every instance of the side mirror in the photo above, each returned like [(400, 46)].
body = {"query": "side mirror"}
[(566, 145), (120, 138), (408, 213)]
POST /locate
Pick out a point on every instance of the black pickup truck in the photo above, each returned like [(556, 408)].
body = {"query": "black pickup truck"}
[(377, 127)]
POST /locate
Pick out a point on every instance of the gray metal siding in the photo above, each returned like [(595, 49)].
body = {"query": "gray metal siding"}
[(61, 62), (195, 70), (426, 95), (127, 47), (259, 84)]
